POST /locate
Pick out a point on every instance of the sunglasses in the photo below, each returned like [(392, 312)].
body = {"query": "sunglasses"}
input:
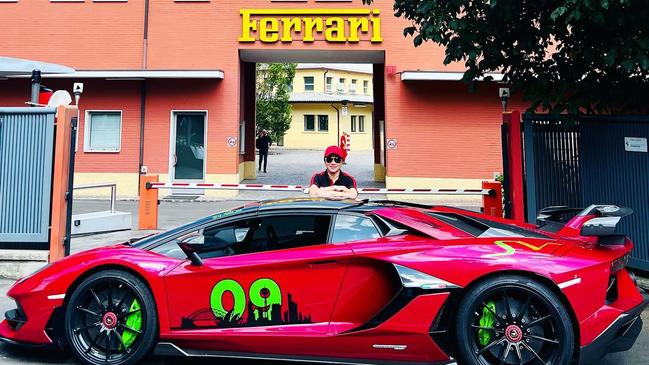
[(330, 159)]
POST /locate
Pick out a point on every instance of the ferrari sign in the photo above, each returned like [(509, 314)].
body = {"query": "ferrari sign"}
[(309, 25)]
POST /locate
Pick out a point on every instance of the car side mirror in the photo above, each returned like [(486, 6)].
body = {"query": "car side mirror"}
[(191, 245), (600, 226)]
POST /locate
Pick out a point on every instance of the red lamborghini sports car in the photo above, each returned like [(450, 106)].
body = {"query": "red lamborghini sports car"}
[(344, 283)]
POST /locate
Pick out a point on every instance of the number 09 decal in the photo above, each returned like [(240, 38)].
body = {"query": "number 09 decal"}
[(263, 294)]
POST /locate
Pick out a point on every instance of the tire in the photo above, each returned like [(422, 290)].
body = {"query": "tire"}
[(111, 319), (513, 320)]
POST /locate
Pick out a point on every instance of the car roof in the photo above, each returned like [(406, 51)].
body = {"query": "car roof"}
[(306, 204), (319, 204)]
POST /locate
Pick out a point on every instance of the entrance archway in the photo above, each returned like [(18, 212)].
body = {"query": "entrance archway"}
[(370, 163)]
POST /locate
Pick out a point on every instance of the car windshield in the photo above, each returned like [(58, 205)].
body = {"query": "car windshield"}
[(162, 235), (483, 228)]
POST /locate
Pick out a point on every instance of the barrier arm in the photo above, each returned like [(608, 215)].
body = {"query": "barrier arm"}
[(149, 186)]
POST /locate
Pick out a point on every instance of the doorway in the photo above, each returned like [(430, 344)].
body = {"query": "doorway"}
[(188, 147)]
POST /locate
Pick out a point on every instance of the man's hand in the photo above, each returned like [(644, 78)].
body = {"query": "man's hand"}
[(335, 192)]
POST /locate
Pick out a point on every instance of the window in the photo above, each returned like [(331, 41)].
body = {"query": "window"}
[(255, 235), (323, 123), (309, 122), (354, 228), (103, 131), (289, 87), (341, 85), (352, 87), (308, 83), (361, 123), (366, 87), (353, 123), (329, 86)]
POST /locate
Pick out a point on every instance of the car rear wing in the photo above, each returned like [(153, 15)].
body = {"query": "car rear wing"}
[(554, 218), (600, 222)]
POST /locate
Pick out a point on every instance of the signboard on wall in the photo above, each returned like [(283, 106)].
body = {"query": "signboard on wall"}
[(635, 144), (309, 25)]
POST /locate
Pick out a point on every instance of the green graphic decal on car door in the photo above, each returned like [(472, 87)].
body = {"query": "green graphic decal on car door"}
[(264, 294), (216, 300)]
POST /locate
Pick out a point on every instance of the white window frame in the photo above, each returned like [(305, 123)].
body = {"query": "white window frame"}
[(329, 84), (366, 87), (361, 124), (86, 130), (353, 123), (317, 120), (315, 123), (312, 84), (341, 84), (352, 86)]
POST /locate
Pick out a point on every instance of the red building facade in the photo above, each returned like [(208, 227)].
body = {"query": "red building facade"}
[(168, 71)]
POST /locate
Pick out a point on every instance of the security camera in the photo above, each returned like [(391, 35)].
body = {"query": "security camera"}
[(77, 90)]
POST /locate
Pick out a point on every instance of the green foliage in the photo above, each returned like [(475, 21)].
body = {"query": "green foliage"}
[(564, 55), (273, 107)]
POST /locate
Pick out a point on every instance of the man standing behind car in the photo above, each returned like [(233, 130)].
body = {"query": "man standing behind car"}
[(332, 183), (263, 142)]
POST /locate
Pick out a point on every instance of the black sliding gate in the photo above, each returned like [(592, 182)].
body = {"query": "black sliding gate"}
[(582, 160)]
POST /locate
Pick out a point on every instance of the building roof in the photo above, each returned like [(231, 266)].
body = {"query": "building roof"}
[(313, 97), (364, 68), (421, 75), (137, 74)]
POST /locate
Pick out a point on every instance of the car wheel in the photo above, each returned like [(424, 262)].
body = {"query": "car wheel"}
[(111, 319), (513, 320)]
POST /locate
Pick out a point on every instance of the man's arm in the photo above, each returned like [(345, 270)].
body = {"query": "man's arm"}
[(333, 192)]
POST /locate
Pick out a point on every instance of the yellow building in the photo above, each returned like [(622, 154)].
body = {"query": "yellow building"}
[(329, 100)]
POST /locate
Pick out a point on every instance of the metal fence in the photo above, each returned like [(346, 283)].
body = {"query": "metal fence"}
[(26, 151), (578, 161)]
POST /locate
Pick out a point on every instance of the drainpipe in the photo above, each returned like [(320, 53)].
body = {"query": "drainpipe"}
[(143, 90), (325, 80), (337, 123), (145, 44), (142, 114)]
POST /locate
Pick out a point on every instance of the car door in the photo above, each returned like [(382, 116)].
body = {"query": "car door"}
[(263, 276), (366, 273)]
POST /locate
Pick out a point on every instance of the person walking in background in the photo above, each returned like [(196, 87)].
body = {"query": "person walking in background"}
[(262, 144), (332, 183)]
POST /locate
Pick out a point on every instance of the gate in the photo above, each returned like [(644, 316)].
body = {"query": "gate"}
[(582, 160), (26, 153)]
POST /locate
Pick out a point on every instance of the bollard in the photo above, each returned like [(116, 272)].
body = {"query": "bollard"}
[(148, 208), (493, 203)]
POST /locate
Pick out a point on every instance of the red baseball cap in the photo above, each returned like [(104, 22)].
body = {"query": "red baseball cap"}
[(334, 150)]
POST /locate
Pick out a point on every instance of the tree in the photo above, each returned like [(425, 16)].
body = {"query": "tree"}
[(273, 107), (564, 55)]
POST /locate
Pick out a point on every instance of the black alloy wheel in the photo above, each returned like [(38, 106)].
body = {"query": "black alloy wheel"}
[(513, 320), (111, 319)]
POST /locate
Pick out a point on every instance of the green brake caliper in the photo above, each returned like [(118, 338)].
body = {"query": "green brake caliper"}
[(133, 321), (487, 320)]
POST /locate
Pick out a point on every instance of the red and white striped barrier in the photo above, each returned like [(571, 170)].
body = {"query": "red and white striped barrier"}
[(148, 207), (161, 185), (305, 189)]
